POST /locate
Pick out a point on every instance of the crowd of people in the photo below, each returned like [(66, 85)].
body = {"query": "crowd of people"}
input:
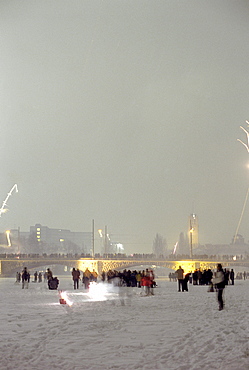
[(24, 277), (145, 279), (216, 280), (142, 279), (134, 256), (199, 277)]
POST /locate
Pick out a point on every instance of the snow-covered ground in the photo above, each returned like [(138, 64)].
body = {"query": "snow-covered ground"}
[(169, 330)]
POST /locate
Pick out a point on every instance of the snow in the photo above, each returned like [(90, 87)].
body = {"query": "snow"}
[(170, 330)]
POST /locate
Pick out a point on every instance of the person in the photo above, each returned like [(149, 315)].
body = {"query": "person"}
[(40, 277), (219, 281), (49, 274), (53, 283), (103, 276), (45, 276), (138, 278), (232, 276), (35, 276), (76, 276), (185, 282), (94, 276), (179, 274), (146, 284), (86, 278), (227, 276), (25, 278), (18, 277), (195, 277)]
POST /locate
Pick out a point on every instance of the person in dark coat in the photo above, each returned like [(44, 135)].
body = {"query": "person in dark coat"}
[(185, 283), (53, 283), (35, 276), (49, 274), (25, 277), (232, 276), (76, 277)]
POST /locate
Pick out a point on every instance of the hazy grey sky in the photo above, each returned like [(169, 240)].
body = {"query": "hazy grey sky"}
[(126, 112)]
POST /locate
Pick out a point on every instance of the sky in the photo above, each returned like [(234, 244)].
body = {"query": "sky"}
[(127, 113)]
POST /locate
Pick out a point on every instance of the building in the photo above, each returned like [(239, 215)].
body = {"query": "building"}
[(63, 240)]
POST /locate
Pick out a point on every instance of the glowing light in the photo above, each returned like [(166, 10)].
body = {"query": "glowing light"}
[(64, 296), (120, 247), (100, 233), (175, 246), (97, 292), (234, 258), (2, 209), (8, 238)]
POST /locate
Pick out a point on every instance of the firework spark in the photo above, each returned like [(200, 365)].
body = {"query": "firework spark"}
[(244, 205), (2, 209)]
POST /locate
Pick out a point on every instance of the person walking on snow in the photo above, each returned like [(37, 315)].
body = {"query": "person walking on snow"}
[(25, 278), (219, 281)]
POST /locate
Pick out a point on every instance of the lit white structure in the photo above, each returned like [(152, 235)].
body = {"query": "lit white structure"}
[(193, 233)]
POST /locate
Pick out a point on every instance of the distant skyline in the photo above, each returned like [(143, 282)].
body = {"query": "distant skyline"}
[(127, 113)]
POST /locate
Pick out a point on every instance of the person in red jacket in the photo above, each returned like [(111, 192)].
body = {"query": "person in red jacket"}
[(147, 283)]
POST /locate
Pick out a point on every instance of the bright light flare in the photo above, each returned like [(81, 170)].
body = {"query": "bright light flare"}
[(8, 237), (120, 247), (175, 246), (97, 292), (64, 297)]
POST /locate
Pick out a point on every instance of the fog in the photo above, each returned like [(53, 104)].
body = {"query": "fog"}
[(127, 113)]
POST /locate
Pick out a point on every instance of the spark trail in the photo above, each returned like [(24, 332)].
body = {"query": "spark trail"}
[(241, 216), (2, 209), (244, 205), (247, 134)]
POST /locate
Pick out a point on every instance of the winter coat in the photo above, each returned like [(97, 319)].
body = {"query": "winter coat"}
[(146, 281), (219, 279), (138, 277), (49, 274), (87, 274), (75, 275), (25, 275), (179, 274)]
